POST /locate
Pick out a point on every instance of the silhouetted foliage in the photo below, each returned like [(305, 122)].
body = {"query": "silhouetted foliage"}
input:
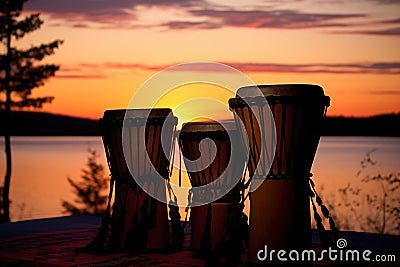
[(19, 74), (91, 191), (375, 211)]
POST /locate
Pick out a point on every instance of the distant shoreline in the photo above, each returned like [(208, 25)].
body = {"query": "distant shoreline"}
[(26, 123), (379, 125)]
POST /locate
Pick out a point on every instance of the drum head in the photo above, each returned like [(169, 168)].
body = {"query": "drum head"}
[(211, 126), (306, 90), (120, 114)]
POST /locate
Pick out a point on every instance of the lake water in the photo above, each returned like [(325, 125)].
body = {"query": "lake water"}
[(41, 166)]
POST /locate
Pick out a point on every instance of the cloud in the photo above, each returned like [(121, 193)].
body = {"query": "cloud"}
[(392, 68), (99, 11), (283, 19), (80, 71), (347, 68), (383, 32), (391, 21), (180, 25), (200, 14), (384, 92), (100, 6), (182, 3), (81, 12), (386, 2), (80, 76), (124, 66), (387, 27)]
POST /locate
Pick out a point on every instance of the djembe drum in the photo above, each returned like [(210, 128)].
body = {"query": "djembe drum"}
[(280, 206), (132, 140), (216, 183)]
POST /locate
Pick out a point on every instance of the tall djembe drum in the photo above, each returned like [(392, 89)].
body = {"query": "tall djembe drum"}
[(280, 206), (216, 182), (133, 144)]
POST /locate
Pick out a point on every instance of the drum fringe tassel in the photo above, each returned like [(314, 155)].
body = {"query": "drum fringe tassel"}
[(100, 243), (232, 244), (324, 237), (177, 227)]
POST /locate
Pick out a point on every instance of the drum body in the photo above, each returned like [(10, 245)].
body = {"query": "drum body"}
[(212, 198), (132, 141), (280, 207)]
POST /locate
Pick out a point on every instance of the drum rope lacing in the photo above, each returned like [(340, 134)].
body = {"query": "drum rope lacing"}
[(209, 192), (102, 240), (272, 101), (238, 105)]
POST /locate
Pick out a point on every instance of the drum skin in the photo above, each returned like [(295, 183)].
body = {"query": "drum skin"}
[(280, 207), (138, 221)]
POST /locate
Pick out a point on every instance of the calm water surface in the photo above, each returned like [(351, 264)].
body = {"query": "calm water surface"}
[(41, 166)]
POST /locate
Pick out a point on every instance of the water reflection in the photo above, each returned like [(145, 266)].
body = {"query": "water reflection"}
[(41, 166)]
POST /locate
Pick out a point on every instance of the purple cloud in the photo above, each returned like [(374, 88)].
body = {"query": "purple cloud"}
[(386, 2), (391, 21), (77, 13), (347, 68), (284, 19), (391, 68), (116, 13), (200, 14), (180, 25), (383, 32), (100, 6)]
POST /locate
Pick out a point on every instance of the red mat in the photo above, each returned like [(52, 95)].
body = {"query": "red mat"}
[(60, 249)]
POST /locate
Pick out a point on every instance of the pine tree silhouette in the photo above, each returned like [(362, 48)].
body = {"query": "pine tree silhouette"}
[(19, 75), (91, 191)]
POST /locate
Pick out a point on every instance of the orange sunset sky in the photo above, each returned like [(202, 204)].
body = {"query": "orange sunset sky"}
[(351, 48)]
